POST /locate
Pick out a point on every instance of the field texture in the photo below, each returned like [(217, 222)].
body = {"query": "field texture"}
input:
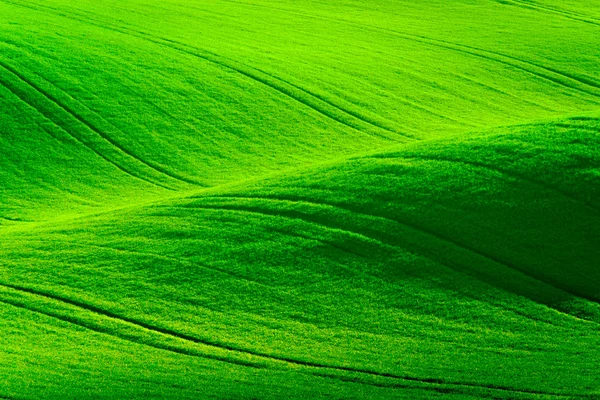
[(299, 199)]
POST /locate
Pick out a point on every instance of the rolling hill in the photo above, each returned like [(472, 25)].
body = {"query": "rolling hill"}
[(272, 199)]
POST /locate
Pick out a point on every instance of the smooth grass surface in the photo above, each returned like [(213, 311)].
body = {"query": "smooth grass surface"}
[(299, 199), (181, 94)]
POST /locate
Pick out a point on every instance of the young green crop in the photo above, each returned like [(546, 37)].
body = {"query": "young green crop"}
[(303, 199)]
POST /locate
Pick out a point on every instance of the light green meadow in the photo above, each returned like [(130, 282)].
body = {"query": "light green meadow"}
[(299, 199)]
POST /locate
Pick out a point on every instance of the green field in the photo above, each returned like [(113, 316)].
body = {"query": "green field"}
[(278, 199)]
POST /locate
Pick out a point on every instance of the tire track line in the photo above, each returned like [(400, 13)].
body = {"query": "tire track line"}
[(50, 118), (128, 338), (436, 385), (502, 92), (324, 242), (89, 125), (545, 72), (406, 36), (121, 148), (303, 96), (579, 127), (288, 90), (288, 214), (292, 234), (538, 7), (180, 261), (308, 238), (300, 95), (14, 219), (563, 79), (368, 120), (253, 211), (401, 99), (548, 73), (415, 227), (306, 217), (369, 239), (264, 356)]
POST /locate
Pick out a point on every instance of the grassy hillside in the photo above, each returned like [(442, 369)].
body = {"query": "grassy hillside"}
[(180, 94), (273, 199)]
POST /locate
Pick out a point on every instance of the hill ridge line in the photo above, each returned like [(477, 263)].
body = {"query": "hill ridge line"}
[(376, 153)]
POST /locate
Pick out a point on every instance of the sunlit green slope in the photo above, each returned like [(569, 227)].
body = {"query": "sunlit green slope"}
[(299, 199), (178, 94), (464, 266)]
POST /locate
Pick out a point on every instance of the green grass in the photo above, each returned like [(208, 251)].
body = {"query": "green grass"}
[(267, 200)]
